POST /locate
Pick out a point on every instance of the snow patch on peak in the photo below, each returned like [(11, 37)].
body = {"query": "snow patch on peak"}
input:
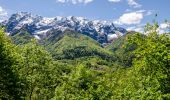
[(81, 18), (47, 20), (41, 31), (37, 37), (27, 21)]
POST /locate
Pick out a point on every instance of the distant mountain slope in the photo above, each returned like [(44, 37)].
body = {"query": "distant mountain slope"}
[(122, 50), (38, 26), (22, 37), (71, 45)]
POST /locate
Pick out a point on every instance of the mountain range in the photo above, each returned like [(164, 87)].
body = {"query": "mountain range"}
[(41, 27)]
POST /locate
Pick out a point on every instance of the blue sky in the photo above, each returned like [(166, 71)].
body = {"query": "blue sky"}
[(126, 13)]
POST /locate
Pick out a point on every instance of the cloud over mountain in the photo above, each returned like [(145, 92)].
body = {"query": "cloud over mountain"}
[(130, 18)]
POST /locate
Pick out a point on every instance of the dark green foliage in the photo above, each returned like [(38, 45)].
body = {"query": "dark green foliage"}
[(153, 61), (11, 86), (149, 76), (39, 71), (84, 83)]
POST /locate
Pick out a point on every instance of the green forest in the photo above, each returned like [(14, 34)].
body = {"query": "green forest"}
[(73, 66)]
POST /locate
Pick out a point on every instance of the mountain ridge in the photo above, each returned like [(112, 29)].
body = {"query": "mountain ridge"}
[(38, 26)]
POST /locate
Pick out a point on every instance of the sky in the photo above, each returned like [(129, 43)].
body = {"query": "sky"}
[(131, 14)]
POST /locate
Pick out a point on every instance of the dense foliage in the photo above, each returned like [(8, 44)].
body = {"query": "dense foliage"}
[(11, 85), (72, 66)]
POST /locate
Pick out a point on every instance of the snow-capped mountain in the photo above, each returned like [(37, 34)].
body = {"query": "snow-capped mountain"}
[(102, 31)]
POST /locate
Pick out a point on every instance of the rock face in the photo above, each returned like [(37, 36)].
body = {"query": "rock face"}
[(101, 31)]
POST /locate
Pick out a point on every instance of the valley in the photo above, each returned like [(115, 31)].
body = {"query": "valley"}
[(76, 58)]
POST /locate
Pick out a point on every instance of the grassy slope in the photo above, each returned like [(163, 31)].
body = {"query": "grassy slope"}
[(73, 45), (73, 48)]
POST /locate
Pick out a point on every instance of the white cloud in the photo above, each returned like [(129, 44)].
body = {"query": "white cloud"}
[(3, 14), (145, 12), (135, 28), (114, 0), (134, 4), (74, 1), (130, 18), (141, 11), (165, 25)]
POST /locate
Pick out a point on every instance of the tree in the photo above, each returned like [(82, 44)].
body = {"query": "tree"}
[(149, 77), (11, 86), (39, 71), (84, 83)]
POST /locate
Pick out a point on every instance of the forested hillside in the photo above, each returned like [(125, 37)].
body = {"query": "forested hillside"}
[(73, 66)]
